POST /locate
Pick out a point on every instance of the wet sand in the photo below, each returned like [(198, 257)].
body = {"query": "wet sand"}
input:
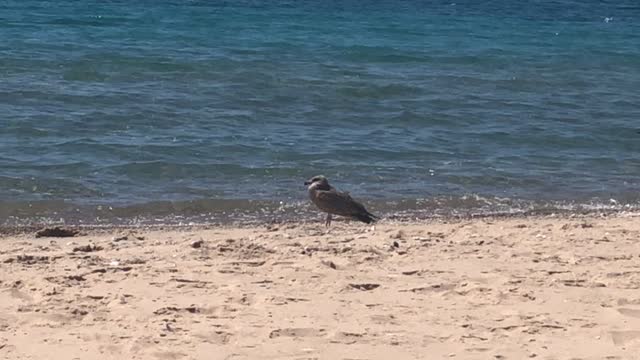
[(543, 288)]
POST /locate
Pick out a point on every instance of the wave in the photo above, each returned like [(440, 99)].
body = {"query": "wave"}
[(245, 211)]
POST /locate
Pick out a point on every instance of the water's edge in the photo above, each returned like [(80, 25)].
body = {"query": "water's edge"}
[(25, 215)]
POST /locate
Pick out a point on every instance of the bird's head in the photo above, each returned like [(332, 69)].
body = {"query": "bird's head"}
[(317, 181)]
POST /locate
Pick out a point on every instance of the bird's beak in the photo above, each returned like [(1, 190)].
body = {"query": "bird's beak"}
[(307, 182)]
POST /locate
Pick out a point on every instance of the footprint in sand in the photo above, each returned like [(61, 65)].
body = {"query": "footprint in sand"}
[(169, 355), (621, 338), (384, 319), (629, 312), (218, 337), (15, 293), (349, 338), (297, 332)]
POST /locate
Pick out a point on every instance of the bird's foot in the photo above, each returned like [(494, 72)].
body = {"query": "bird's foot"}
[(328, 221)]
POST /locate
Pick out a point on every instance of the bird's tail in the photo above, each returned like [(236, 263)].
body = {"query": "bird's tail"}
[(367, 217)]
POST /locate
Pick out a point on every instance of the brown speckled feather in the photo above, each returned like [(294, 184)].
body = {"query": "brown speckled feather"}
[(331, 201)]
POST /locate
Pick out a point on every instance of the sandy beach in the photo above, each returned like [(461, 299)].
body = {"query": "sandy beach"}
[(520, 288)]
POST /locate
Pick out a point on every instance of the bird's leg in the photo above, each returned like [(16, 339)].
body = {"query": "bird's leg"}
[(328, 222)]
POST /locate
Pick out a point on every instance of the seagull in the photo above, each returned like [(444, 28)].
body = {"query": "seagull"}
[(333, 202)]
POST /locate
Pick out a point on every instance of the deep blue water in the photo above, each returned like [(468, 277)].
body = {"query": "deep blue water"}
[(127, 103)]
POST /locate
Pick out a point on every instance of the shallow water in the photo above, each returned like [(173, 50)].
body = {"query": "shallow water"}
[(135, 104)]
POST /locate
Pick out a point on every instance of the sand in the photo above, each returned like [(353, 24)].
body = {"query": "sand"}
[(543, 288)]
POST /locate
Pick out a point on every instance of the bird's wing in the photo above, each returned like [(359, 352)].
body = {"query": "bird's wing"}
[(338, 203)]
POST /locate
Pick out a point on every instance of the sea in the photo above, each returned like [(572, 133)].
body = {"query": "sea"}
[(194, 111)]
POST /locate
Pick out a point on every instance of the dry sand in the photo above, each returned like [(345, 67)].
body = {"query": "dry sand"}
[(543, 288)]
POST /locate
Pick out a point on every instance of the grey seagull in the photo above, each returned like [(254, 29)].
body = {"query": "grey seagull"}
[(333, 202)]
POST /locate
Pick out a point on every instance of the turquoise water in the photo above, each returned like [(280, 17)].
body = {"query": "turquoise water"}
[(129, 105)]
